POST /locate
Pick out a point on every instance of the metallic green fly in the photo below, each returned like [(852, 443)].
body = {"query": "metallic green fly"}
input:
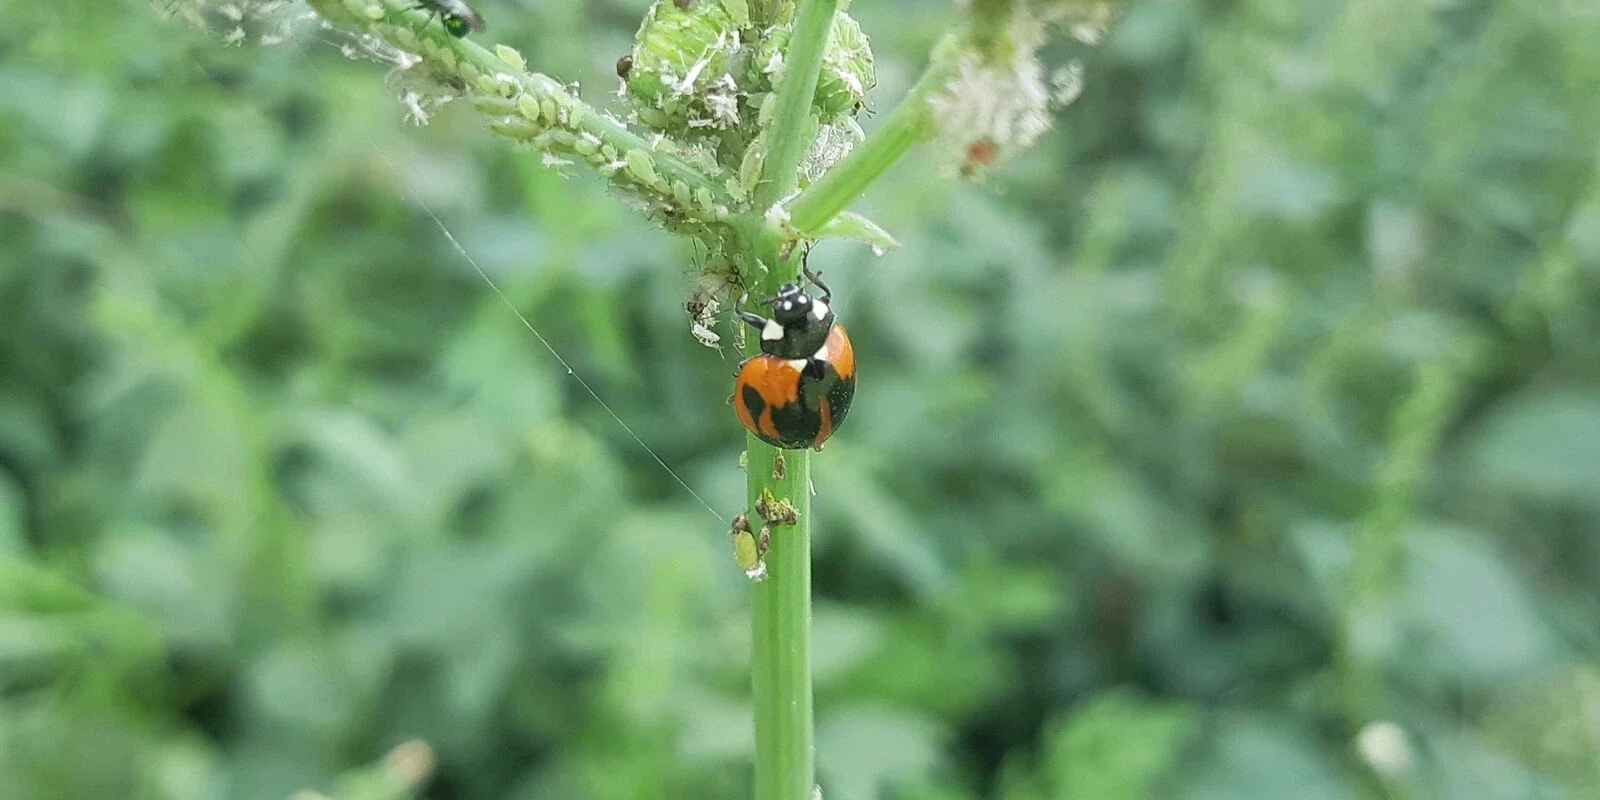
[(456, 16)]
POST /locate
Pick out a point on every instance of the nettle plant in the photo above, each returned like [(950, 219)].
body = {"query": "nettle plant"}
[(738, 128)]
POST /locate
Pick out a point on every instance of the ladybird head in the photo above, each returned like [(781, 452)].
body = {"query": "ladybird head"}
[(792, 307), (799, 324)]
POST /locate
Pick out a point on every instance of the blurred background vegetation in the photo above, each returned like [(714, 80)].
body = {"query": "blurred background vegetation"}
[(1241, 441)]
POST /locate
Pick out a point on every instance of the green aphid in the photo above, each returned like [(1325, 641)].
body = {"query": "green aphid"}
[(456, 16)]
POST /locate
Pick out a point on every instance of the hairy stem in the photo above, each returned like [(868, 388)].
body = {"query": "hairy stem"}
[(780, 606), (780, 622), (911, 122), (792, 127), (537, 109)]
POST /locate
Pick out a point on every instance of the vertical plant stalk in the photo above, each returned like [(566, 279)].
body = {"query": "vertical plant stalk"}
[(780, 606), (909, 124), (780, 622), (790, 132), (1377, 571)]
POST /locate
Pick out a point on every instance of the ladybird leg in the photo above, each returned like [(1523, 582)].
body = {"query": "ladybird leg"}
[(816, 278), (754, 320)]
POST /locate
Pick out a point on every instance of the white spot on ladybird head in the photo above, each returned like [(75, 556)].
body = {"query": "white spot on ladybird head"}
[(820, 309), (772, 332), (788, 305)]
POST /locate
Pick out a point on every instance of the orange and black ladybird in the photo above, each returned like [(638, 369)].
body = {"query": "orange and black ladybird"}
[(796, 392)]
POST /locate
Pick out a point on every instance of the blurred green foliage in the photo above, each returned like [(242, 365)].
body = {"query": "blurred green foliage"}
[(1242, 441)]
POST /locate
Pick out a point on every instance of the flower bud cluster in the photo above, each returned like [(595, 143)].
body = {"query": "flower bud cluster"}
[(699, 64), (999, 99), (698, 69)]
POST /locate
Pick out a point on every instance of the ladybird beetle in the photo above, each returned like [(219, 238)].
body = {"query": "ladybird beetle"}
[(795, 393)]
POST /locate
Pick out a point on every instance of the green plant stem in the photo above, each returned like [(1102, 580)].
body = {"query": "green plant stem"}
[(780, 627), (537, 109), (791, 130), (780, 606), (910, 123), (989, 20)]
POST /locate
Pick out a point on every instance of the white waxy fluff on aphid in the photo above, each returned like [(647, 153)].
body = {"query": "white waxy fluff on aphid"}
[(1091, 26), (270, 21), (722, 102), (1006, 105), (414, 109), (705, 335), (702, 308), (686, 84), (1006, 102), (1066, 83), (850, 80), (832, 144), (416, 90), (1087, 33)]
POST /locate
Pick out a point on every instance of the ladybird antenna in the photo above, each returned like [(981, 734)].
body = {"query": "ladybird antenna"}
[(466, 256)]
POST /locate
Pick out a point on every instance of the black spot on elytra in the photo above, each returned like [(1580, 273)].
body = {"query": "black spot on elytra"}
[(840, 395), (753, 402)]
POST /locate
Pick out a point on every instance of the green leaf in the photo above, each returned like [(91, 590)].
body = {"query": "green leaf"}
[(1470, 770), (865, 752), (1475, 617), (1253, 757), (1544, 446), (33, 647), (303, 687), (1119, 746), (12, 533), (148, 569), (841, 638), (856, 228)]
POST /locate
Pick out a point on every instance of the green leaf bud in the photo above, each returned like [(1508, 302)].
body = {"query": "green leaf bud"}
[(847, 69), (680, 59)]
